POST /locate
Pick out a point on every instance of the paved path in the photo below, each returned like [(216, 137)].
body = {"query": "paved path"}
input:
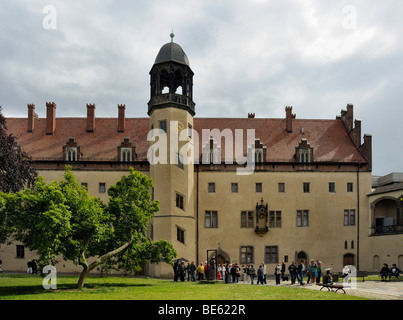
[(370, 289)]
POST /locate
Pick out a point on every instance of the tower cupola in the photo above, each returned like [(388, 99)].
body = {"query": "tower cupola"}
[(171, 80)]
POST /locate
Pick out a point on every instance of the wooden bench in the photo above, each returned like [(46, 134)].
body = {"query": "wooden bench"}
[(362, 274), (332, 287)]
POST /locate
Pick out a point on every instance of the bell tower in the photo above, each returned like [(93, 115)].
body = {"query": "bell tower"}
[(171, 80), (171, 110)]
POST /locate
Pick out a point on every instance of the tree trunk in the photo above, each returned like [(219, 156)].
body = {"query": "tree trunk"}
[(87, 268), (83, 274)]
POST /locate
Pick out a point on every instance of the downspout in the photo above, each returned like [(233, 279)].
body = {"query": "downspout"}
[(358, 216), (197, 216)]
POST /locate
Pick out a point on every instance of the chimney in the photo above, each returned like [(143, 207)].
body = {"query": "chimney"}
[(90, 117), (31, 117), (347, 117), (288, 118), (366, 149), (50, 117), (251, 115), (121, 117)]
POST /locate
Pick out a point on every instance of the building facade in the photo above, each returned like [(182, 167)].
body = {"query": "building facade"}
[(308, 194)]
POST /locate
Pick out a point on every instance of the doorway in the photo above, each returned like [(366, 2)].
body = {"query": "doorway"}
[(348, 259)]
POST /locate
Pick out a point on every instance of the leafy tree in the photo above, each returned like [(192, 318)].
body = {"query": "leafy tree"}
[(16, 170), (62, 219)]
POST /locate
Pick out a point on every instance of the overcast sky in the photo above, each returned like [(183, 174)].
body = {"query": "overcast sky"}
[(248, 56)]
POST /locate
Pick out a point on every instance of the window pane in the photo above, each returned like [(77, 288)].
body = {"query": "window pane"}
[(207, 220), (250, 219), (214, 218), (352, 217)]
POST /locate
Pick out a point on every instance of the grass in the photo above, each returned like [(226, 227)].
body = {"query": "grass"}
[(29, 287)]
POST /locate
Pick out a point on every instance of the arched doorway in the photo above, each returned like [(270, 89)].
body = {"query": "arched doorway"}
[(376, 263), (301, 255), (348, 259)]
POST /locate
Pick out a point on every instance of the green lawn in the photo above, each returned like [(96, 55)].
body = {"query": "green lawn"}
[(29, 287)]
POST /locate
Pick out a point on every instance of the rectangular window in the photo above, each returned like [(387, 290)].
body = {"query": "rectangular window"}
[(246, 254), (179, 201), (306, 187), (332, 187), (180, 235), (271, 254), (246, 219), (259, 187), (20, 251), (84, 185), (281, 187), (302, 218), (211, 219), (349, 187), (275, 219), (102, 187), (211, 187), (190, 131), (163, 125), (349, 217), (234, 187)]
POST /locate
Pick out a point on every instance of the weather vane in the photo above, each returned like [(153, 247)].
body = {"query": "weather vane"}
[(172, 36)]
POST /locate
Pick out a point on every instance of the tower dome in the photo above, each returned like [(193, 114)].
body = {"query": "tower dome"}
[(172, 51)]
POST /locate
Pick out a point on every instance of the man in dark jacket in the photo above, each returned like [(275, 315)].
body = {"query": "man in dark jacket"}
[(260, 275)]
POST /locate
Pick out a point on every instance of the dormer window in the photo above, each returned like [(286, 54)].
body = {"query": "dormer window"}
[(126, 154), (211, 152), (304, 152), (71, 154), (126, 151), (71, 151), (260, 151)]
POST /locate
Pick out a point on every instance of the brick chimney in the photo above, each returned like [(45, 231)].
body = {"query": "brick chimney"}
[(251, 115), (90, 117), (366, 149), (121, 117), (31, 117), (288, 118), (348, 117), (50, 117)]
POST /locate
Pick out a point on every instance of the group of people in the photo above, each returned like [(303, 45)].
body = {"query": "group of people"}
[(392, 272), (249, 274)]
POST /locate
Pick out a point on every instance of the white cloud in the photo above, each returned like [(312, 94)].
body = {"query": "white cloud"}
[(248, 56)]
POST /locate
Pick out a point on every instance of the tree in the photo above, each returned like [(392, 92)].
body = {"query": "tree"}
[(16, 170), (62, 219)]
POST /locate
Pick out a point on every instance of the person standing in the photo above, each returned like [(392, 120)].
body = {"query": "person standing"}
[(29, 266), (192, 271), (1, 264), (182, 271), (292, 269), (277, 272), (300, 272), (312, 271), (247, 274), (260, 275), (200, 271), (264, 272), (252, 273), (318, 271), (282, 270)]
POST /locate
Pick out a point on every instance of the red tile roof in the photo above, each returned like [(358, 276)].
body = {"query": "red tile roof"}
[(328, 138)]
